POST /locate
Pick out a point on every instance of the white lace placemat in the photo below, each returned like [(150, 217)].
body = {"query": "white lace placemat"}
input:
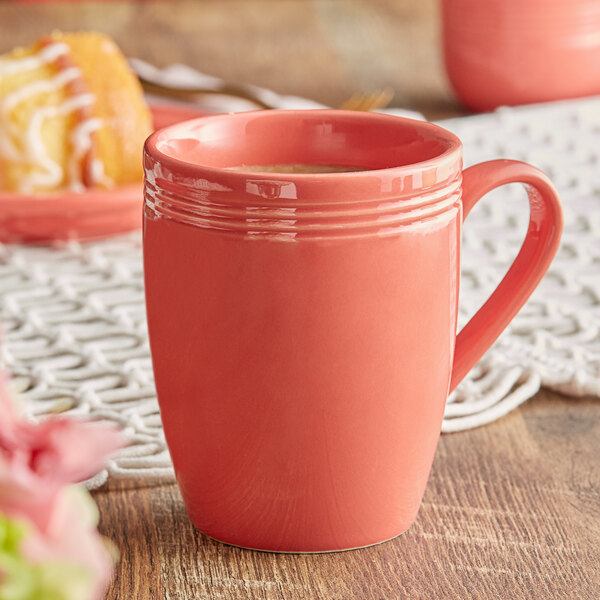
[(74, 324)]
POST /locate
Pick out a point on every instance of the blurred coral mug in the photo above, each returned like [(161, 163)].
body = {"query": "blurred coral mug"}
[(303, 325), (521, 51)]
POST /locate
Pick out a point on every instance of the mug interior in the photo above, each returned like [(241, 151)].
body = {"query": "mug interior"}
[(363, 141)]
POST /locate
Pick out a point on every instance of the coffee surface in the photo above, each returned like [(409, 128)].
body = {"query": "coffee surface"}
[(296, 168)]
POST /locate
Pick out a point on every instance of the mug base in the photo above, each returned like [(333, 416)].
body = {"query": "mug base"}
[(328, 551)]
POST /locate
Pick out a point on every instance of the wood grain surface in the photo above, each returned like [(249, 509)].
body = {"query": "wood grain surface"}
[(512, 510)]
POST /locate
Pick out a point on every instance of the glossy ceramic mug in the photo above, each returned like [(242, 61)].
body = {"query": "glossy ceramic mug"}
[(303, 326), (520, 51)]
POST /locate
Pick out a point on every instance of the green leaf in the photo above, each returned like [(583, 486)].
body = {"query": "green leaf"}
[(49, 580)]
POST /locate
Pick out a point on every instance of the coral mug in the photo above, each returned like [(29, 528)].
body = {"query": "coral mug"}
[(520, 51), (303, 326)]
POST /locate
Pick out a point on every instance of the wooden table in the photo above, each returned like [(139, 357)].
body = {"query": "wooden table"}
[(512, 510)]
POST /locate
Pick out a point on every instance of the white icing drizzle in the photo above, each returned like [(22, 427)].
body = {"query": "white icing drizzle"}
[(48, 54), (81, 140), (39, 87), (13, 99), (46, 172), (98, 175), (52, 173)]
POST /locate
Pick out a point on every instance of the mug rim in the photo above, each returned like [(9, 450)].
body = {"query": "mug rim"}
[(452, 154), (364, 203)]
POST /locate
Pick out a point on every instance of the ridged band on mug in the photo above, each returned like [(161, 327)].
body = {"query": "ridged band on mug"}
[(206, 206), (210, 209)]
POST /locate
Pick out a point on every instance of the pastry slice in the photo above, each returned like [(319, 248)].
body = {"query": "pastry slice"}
[(72, 116)]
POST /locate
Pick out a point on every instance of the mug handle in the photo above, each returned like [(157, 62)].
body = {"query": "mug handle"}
[(530, 265)]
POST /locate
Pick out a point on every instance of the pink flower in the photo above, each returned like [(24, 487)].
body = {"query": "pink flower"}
[(64, 555), (38, 459)]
